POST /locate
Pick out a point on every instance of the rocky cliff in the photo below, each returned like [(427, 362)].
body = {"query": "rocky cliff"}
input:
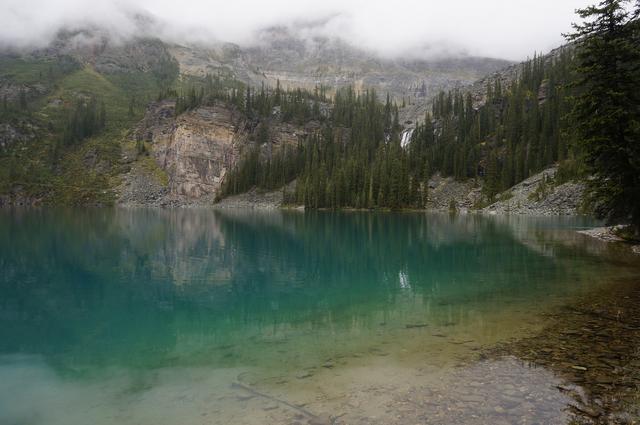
[(199, 150), (109, 55), (280, 55), (185, 159), (507, 75)]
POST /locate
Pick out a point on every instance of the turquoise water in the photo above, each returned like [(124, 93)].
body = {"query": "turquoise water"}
[(105, 315)]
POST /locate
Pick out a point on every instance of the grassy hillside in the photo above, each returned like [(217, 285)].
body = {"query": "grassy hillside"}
[(39, 97)]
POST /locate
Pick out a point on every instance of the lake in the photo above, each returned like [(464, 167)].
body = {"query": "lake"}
[(199, 316)]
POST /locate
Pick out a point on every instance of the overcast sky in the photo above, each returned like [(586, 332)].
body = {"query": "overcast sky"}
[(510, 29)]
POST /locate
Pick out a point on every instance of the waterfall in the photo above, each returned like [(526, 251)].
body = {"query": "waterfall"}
[(406, 137)]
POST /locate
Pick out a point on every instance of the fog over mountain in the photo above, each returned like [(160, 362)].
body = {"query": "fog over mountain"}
[(406, 28)]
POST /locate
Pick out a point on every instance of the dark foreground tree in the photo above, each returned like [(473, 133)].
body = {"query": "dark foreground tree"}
[(607, 106)]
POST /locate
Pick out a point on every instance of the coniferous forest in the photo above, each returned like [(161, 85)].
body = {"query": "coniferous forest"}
[(357, 160), (515, 130)]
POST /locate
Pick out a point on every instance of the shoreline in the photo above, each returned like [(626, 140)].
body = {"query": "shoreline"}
[(238, 203), (591, 344), (579, 367), (609, 234)]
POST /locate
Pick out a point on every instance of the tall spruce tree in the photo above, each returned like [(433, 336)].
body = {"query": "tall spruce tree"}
[(607, 106)]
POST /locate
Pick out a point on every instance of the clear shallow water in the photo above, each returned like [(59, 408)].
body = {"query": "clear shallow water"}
[(151, 316)]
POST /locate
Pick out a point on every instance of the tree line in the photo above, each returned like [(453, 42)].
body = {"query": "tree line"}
[(354, 160), (291, 105), (357, 161), (518, 130), (84, 120)]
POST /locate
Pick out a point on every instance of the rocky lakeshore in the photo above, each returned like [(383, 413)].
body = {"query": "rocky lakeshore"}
[(592, 345), (539, 195), (253, 199), (611, 234), (581, 368)]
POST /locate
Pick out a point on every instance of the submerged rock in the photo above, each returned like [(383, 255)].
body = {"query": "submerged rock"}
[(304, 374), (592, 345)]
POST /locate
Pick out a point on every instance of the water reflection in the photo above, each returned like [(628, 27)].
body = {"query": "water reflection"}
[(115, 305), (131, 286)]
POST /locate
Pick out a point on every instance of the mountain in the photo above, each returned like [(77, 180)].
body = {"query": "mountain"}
[(280, 55), (46, 93)]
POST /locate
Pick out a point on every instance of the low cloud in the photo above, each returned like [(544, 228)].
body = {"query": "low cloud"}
[(418, 28)]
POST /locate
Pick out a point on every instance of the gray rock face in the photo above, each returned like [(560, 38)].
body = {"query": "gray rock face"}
[(203, 147), (535, 197), (307, 63), (506, 76), (12, 133), (297, 61), (108, 55), (142, 55), (11, 91), (280, 55), (197, 151)]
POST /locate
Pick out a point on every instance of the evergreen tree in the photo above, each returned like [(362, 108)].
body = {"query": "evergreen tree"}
[(23, 99), (83, 121), (524, 132), (607, 106), (102, 117)]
